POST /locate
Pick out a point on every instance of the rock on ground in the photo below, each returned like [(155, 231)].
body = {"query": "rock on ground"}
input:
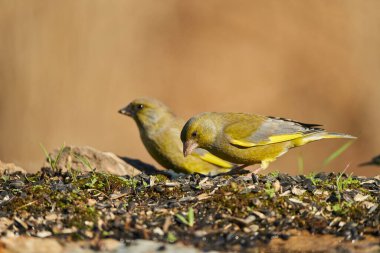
[(31, 245), (303, 242), (50, 245), (10, 168), (87, 158)]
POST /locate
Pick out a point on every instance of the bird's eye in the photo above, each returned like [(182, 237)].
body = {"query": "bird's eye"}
[(139, 106), (194, 134)]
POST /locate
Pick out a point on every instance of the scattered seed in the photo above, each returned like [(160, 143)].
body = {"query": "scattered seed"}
[(297, 191), (359, 197)]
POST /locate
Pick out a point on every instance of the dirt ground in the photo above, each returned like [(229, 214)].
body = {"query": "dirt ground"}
[(272, 213)]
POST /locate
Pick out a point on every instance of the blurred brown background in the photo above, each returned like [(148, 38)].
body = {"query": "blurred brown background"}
[(66, 67)]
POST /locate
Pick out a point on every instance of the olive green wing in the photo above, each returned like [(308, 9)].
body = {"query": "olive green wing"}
[(259, 130)]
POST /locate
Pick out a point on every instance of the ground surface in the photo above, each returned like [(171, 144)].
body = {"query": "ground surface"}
[(224, 213)]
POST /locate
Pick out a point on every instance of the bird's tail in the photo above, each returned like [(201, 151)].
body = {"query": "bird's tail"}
[(319, 136)]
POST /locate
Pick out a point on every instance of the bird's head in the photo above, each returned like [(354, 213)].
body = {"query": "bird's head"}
[(147, 112), (199, 131)]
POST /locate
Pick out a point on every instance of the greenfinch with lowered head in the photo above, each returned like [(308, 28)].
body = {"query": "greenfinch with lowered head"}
[(160, 132), (247, 138)]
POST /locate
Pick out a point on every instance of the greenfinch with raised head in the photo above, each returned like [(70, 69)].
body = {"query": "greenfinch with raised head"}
[(248, 139), (160, 132)]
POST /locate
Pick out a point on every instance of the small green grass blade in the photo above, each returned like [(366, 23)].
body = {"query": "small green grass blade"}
[(337, 153), (84, 161), (60, 152), (171, 238), (47, 155), (300, 163), (182, 219), (190, 216)]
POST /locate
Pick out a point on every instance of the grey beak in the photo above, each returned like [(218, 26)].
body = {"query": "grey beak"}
[(126, 111), (188, 147)]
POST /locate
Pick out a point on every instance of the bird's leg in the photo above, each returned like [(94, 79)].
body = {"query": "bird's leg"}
[(256, 171), (241, 167), (264, 165), (238, 170)]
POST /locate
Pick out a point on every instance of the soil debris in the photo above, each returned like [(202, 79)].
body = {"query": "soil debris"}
[(225, 213)]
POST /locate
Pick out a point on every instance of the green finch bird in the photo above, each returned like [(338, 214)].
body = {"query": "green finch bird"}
[(160, 132), (247, 138)]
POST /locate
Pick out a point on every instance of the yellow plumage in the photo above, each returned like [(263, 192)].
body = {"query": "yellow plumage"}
[(160, 132), (247, 138)]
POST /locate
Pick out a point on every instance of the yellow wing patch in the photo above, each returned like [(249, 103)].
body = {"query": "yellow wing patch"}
[(284, 137), (241, 143), (214, 160), (272, 139)]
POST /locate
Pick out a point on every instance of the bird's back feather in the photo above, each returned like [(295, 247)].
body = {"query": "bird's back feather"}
[(260, 130)]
